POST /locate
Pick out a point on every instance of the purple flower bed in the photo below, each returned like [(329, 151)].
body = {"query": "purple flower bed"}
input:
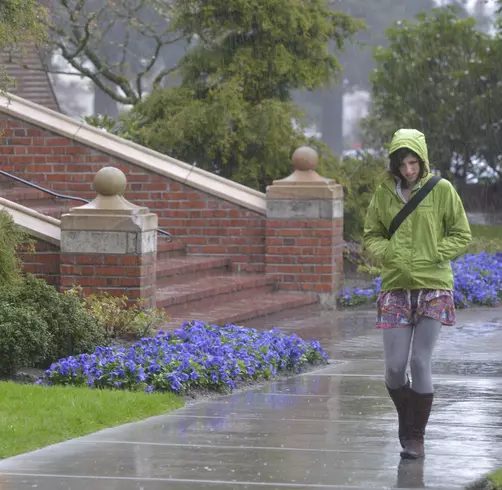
[(478, 281), (196, 356)]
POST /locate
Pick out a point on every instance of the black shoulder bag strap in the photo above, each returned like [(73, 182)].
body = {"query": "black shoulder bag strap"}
[(411, 205)]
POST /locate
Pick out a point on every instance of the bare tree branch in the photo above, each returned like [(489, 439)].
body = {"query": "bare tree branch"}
[(94, 76), (115, 44), (163, 74), (117, 79)]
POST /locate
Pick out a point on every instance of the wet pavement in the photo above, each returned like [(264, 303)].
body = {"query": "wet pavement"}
[(334, 428)]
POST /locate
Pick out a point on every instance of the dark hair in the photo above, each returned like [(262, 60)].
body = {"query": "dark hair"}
[(396, 160)]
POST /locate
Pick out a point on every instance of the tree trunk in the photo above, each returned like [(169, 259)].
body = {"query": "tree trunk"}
[(104, 104), (332, 118)]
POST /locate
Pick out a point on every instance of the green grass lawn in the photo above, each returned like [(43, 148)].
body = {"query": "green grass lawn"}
[(496, 479), (486, 238), (33, 416), (487, 231)]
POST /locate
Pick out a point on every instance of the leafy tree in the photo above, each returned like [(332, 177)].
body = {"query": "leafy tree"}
[(358, 59), (434, 76), (233, 113), (326, 106), (21, 21), (361, 176), (490, 101)]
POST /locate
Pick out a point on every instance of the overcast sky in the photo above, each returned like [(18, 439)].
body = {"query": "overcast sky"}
[(490, 3)]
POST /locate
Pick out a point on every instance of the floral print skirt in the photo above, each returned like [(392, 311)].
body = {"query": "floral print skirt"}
[(401, 308)]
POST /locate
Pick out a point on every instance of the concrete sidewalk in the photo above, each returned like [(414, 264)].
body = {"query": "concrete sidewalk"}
[(333, 429)]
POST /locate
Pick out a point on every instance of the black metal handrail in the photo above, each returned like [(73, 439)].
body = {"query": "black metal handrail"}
[(63, 196), (47, 191)]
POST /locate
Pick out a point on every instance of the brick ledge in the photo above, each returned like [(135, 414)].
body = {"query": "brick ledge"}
[(133, 153), (34, 223)]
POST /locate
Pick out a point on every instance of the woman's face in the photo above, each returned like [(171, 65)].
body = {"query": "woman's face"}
[(410, 169)]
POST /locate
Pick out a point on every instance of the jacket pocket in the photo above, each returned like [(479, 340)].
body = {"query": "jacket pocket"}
[(427, 241), (387, 256), (391, 259)]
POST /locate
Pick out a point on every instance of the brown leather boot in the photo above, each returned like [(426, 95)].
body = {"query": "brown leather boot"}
[(410, 473), (400, 398), (418, 413)]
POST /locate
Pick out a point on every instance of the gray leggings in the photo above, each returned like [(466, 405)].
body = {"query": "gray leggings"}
[(397, 342)]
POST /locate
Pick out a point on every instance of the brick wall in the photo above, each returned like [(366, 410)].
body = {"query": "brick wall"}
[(129, 275), (305, 255), (206, 224), (42, 261)]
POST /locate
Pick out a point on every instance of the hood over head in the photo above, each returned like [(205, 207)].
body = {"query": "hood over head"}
[(414, 140)]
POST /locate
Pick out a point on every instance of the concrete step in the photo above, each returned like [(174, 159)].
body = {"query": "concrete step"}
[(26, 193), (44, 204), (173, 270), (207, 292), (250, 307), (37, 200), (5, 183), (53, 210), (38, 204), (166, 250), (18, 194)]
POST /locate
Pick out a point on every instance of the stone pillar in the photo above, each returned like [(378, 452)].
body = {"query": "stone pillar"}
[(110, 244), (304, 230)]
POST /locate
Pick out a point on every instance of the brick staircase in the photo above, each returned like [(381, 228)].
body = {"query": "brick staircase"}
[(189, 287), (31, 81)]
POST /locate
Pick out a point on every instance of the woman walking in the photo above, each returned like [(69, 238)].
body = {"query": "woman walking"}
[(415, 225)]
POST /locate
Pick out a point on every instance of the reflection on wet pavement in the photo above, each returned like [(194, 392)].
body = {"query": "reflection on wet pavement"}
[(332, 428)]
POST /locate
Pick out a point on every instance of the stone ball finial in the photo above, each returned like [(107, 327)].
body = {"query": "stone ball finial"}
[(110, 181), (305, 158)]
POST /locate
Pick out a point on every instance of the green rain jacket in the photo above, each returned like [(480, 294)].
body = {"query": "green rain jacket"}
[(419, 253)]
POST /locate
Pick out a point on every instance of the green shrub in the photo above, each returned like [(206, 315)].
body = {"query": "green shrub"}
[(11, 238), (364, 174), (364, 261), (359, 177), (24, 338), (117, 318), (72, 329)]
